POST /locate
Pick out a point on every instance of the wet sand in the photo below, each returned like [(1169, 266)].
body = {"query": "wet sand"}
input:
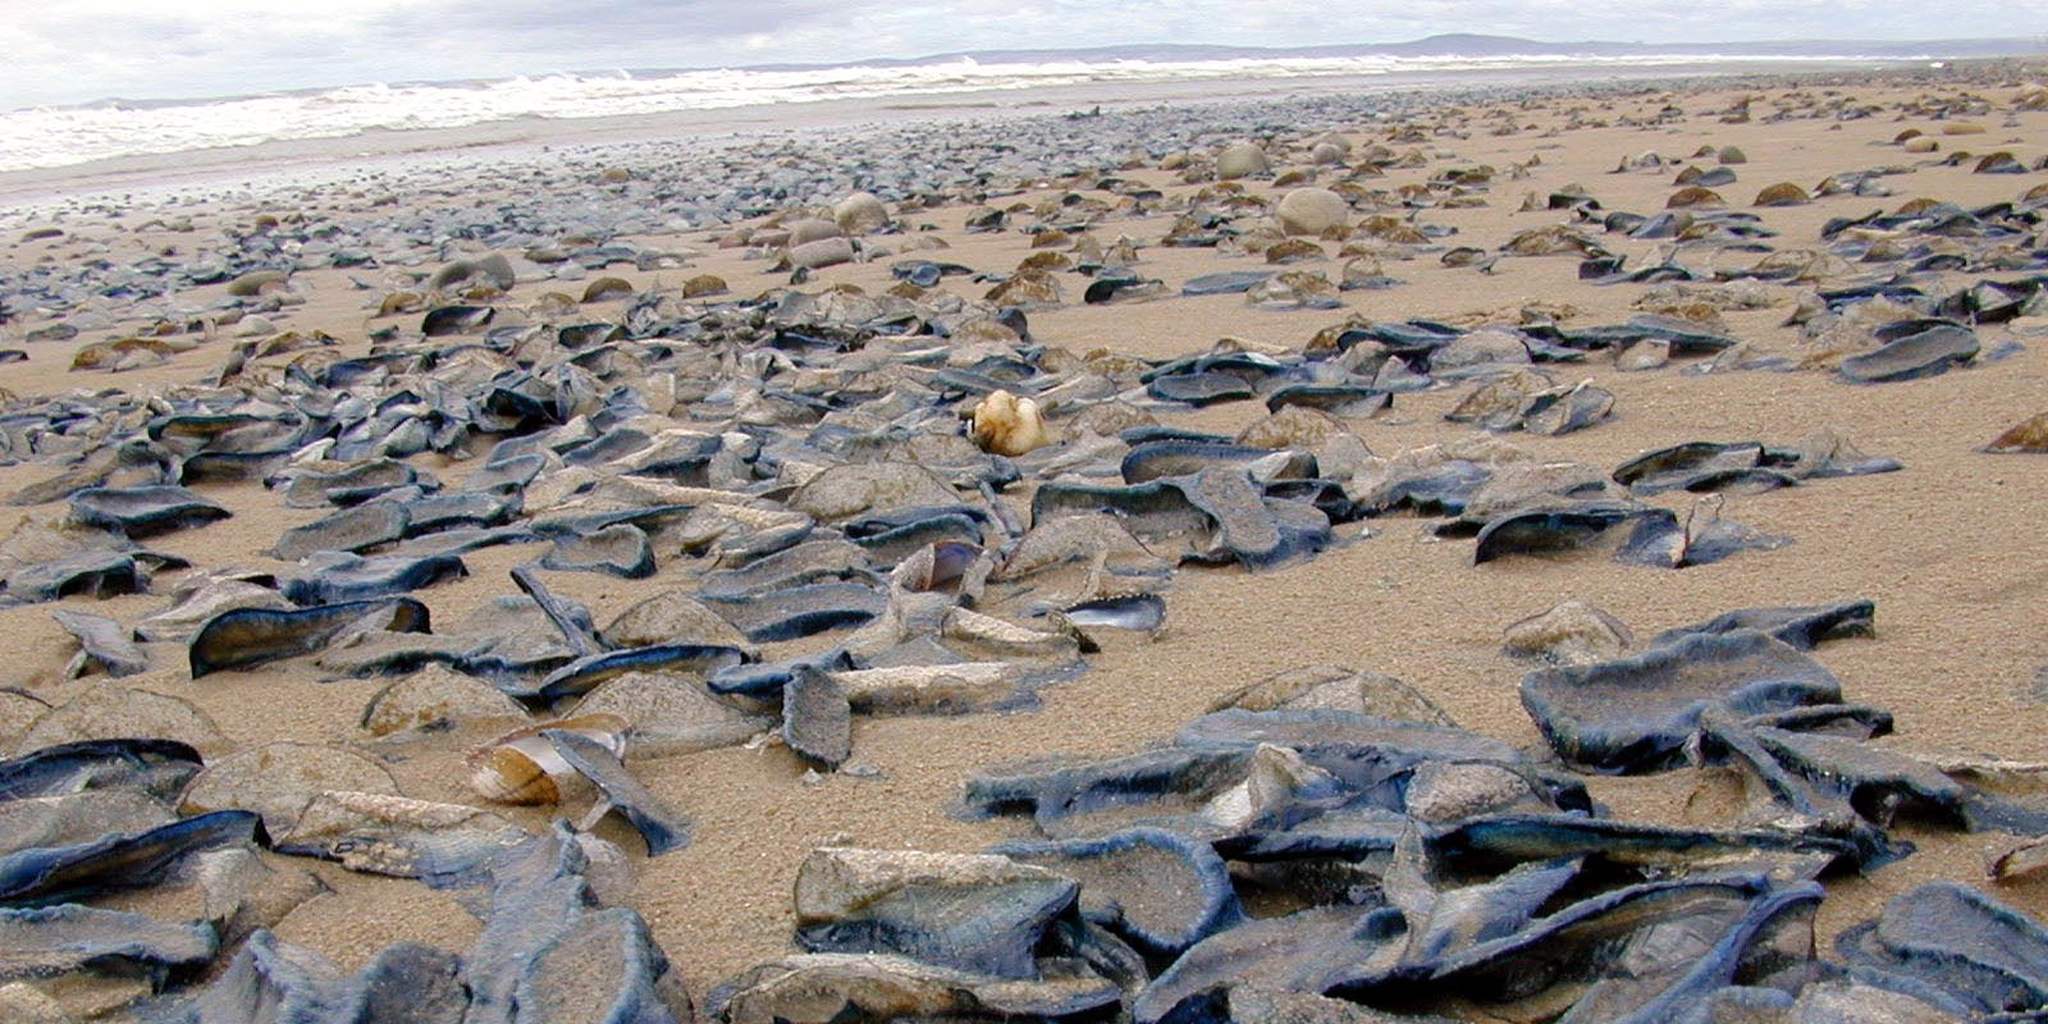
[(1950, 548)]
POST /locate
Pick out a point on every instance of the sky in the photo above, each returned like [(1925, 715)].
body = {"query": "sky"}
[(72, 51)]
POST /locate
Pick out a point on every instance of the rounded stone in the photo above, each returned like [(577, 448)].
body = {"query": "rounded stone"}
[(812, 229), (436, 697), (1784, 193), (17, 710), (278, 780), (672, 617), (1311, 211), (860, 213), (825, 252), (1691, 196), (22, 1003), (1441, 792), (1241, 160), (1294, 426), (670, 714), (1570, 633), (255, 282), (1488, 345), (109, 710), (704, 284)]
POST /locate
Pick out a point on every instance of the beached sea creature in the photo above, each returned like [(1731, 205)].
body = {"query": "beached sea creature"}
[(670, 713), (819, 988), (1552, 527), (48, 941), (1307, 952), (154, 766), (40, 876), (549, 951), (246, 637), (1804, 627), (1987, 956), (1702, 466), (144, 511), (584, 674), (2021, 858), (1927, 353), (1661, 539), (1225, 283), (353, 529), (980, 914), (605, 965), (337, 577), (1746, 467), (101, 642), (817, 718), (796, 612), (1637, 713), (62, 820), (948, 688), (42, 562), (618, 550), (674, 616), (595, 759), (200, 597), (1160, 891), (107, 709), (405, 979), (455, 320), (845, 491), (435, 698)]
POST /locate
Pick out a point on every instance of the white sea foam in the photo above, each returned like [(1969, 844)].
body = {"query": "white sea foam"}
[(57, 136)]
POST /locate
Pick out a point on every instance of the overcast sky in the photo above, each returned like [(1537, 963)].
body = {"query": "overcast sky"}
[(67, 51)]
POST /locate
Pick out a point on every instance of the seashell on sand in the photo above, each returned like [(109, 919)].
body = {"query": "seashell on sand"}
[(522, 767)]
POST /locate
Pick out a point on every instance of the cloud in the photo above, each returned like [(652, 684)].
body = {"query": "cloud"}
[(563, 28), (78, 50)]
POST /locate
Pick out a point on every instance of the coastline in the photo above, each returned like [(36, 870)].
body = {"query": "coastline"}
[(307, 161)]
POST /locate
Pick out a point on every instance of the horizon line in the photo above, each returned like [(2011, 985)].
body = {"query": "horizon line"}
[(1989, 47)]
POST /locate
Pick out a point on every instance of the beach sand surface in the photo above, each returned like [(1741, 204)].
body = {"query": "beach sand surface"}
[(1951, 548)]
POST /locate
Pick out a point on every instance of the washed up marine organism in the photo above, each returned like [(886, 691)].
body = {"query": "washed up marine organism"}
[(246, 637), (550, 949), (40, 876), (156, 767)]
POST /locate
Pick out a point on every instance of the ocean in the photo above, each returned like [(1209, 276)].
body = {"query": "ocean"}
[(50, 137)]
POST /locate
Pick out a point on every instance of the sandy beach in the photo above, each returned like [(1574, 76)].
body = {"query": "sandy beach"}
[(1948, 547)]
